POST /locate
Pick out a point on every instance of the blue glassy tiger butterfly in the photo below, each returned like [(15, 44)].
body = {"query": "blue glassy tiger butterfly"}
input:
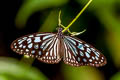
[(52, 47)]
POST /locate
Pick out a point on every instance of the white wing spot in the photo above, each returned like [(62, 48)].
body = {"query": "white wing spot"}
[(46, 53), (29, 40), (27, 50), (24, 38), (72, 61), (78, 59), (20, 41), (24, 46), (93, 49), (86, 45), (102, 57), (84, 60), (90, 60), (96, 53), (43, 57), (88, 50), (14, 44), (33, 51), (81, 53), (87, 55), (67, 59), (39, 53), (96, 62), (93, 58), (21, 50), (37, 39), (31, 36), (49, 57), (52, 57), (96, 57), (30, 45), (17, 49), (101, 60), (20, 46), (36, 46), (80, 46)]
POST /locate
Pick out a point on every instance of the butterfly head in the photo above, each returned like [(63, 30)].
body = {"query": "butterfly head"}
[(60, 30), (60, 35)]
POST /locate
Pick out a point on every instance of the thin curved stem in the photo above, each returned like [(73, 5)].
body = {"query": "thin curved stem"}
[(77, 15), (60, 24), (73, 33), (65, 27), (59, 20)]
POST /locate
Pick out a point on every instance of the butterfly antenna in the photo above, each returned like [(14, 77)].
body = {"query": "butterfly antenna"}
[(77, 15)]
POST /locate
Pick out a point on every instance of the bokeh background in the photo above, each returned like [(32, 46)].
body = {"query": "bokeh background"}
[(20, 17)]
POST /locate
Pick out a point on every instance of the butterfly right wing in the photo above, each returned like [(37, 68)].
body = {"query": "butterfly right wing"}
[(44, 46), (79, 53)]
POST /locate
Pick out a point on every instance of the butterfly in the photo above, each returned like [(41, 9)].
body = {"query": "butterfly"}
[(52, 47)]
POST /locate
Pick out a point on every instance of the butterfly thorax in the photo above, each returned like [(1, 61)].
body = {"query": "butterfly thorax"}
[(60, 37), (60, 34)]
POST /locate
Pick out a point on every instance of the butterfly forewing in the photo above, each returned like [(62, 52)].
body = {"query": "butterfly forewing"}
[(78, 53), (44, 46)]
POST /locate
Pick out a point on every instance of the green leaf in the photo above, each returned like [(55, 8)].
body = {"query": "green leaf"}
[(81, 73), (11, 69), (116, 76)]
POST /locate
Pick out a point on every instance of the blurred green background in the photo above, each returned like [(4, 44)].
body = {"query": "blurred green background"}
[(21, 17)]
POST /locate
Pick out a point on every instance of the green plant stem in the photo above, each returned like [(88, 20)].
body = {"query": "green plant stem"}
[(77, 16)]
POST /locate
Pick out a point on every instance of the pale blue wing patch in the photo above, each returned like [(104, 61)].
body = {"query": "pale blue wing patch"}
[(83, 53)]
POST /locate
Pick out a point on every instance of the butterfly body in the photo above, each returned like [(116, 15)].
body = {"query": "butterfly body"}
[(52, 47)]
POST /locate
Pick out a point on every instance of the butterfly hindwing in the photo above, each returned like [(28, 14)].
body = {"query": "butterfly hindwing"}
[(44, 46), (78, 53)]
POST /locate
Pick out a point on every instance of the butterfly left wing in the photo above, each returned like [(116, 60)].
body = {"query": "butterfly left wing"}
[(43, 46), (79, 53)]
